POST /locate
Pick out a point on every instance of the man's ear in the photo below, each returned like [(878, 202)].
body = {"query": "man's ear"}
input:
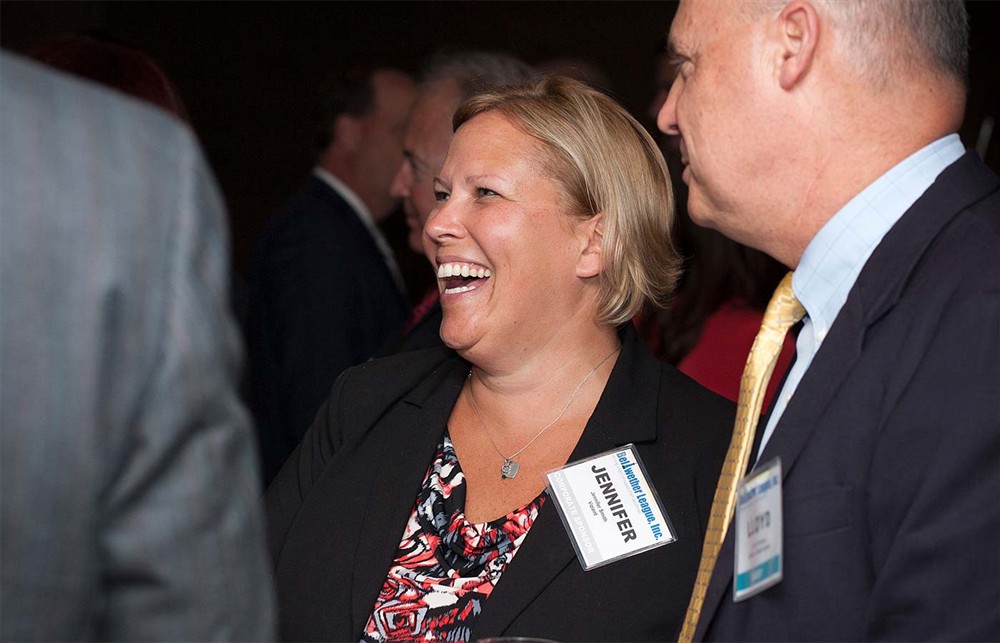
[(347, 132), (798, 30), (591, 262)]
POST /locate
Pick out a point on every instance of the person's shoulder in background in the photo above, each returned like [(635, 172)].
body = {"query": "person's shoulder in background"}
[(120, 417)]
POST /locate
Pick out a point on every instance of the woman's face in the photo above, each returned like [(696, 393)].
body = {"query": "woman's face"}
[(502, 226)]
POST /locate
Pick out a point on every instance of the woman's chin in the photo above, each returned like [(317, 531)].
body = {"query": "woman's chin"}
[(454, 345), (459, 336)]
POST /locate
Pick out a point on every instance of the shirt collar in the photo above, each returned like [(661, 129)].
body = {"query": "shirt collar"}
[(834, 258), (348, 195), (364, 214)]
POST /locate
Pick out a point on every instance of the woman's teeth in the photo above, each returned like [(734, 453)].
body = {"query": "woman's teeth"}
[(462, 270), (459, 277)]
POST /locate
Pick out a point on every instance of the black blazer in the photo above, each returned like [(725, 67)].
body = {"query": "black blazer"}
[(891, 445), (338, 508), (321, 299)]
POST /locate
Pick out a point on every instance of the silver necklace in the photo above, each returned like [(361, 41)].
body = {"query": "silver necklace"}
[(510, 467)]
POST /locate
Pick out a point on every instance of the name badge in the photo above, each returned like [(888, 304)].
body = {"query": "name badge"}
[(758, 532), (608, 507)]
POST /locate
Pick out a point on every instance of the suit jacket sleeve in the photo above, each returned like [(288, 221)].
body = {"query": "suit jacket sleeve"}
[(183, 539), (933, 505), (359, 397)]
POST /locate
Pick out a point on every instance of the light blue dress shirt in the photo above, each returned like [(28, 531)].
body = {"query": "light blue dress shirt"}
[(834, 258)]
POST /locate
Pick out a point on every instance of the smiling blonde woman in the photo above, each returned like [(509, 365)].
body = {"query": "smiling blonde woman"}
[(416, 507)]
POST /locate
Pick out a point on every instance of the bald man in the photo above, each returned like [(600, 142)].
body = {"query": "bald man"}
[(823, 133)]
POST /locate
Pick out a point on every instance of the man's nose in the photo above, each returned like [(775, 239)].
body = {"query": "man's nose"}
[(401, 181), (666, 120)]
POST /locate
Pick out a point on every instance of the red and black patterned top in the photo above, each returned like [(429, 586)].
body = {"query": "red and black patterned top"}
[(445, 567)]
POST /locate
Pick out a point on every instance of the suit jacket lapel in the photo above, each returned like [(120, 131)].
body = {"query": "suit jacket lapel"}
[(407, 454), (876, 292), (626, 413), (348, 216)]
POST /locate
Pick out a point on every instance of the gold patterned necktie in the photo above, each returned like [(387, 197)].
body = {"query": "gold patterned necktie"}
[(783, 312)]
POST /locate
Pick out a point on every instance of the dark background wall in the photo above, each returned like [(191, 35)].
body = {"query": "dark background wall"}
[(247, 71)]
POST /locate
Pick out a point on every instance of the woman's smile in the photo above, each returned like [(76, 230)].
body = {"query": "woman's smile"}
[(459, 277)]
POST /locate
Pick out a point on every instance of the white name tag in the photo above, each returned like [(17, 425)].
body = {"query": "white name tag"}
[(758, 532), (608, 507)]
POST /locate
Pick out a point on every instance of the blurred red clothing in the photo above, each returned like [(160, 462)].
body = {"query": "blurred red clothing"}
[(717, 359)]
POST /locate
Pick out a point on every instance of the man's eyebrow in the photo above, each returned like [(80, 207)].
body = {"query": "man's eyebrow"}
[(674, 56), (415, 160)]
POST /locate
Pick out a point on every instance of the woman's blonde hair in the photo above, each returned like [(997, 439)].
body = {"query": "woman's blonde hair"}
[(606, 163)]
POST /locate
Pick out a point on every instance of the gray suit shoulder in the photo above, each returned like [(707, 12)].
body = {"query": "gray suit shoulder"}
[(114, 131)]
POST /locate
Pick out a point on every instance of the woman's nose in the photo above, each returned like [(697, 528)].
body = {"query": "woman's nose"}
[(444, 222)]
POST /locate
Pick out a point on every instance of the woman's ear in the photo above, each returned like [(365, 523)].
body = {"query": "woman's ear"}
[(591, 261)]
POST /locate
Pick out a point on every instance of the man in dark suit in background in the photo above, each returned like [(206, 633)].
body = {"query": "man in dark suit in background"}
[(822, 132), (324, 285)]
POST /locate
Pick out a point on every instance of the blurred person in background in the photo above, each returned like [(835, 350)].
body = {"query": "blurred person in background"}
[(324, 287), (581, 69), (114, 64), (130, 488)]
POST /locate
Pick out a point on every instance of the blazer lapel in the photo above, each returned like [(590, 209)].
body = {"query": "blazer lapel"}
[(407, 453), (875, 293), (626, 413)]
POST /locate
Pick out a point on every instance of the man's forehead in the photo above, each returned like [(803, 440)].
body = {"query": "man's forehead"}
[(429, 127), (418, 163), (393, 90), (390, 80), (437, 102), (695, 20)]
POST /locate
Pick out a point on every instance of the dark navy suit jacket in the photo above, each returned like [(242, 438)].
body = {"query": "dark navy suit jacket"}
[(321, 299), (891, 445), (337, 510)]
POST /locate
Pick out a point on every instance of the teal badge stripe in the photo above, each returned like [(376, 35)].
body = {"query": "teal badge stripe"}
[(759, 573)]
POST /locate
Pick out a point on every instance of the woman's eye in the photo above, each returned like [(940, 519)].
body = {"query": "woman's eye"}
[(480, 192), (440, 195)]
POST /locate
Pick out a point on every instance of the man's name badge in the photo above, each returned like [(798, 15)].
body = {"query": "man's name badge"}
[(609, 508), (758, 532)]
